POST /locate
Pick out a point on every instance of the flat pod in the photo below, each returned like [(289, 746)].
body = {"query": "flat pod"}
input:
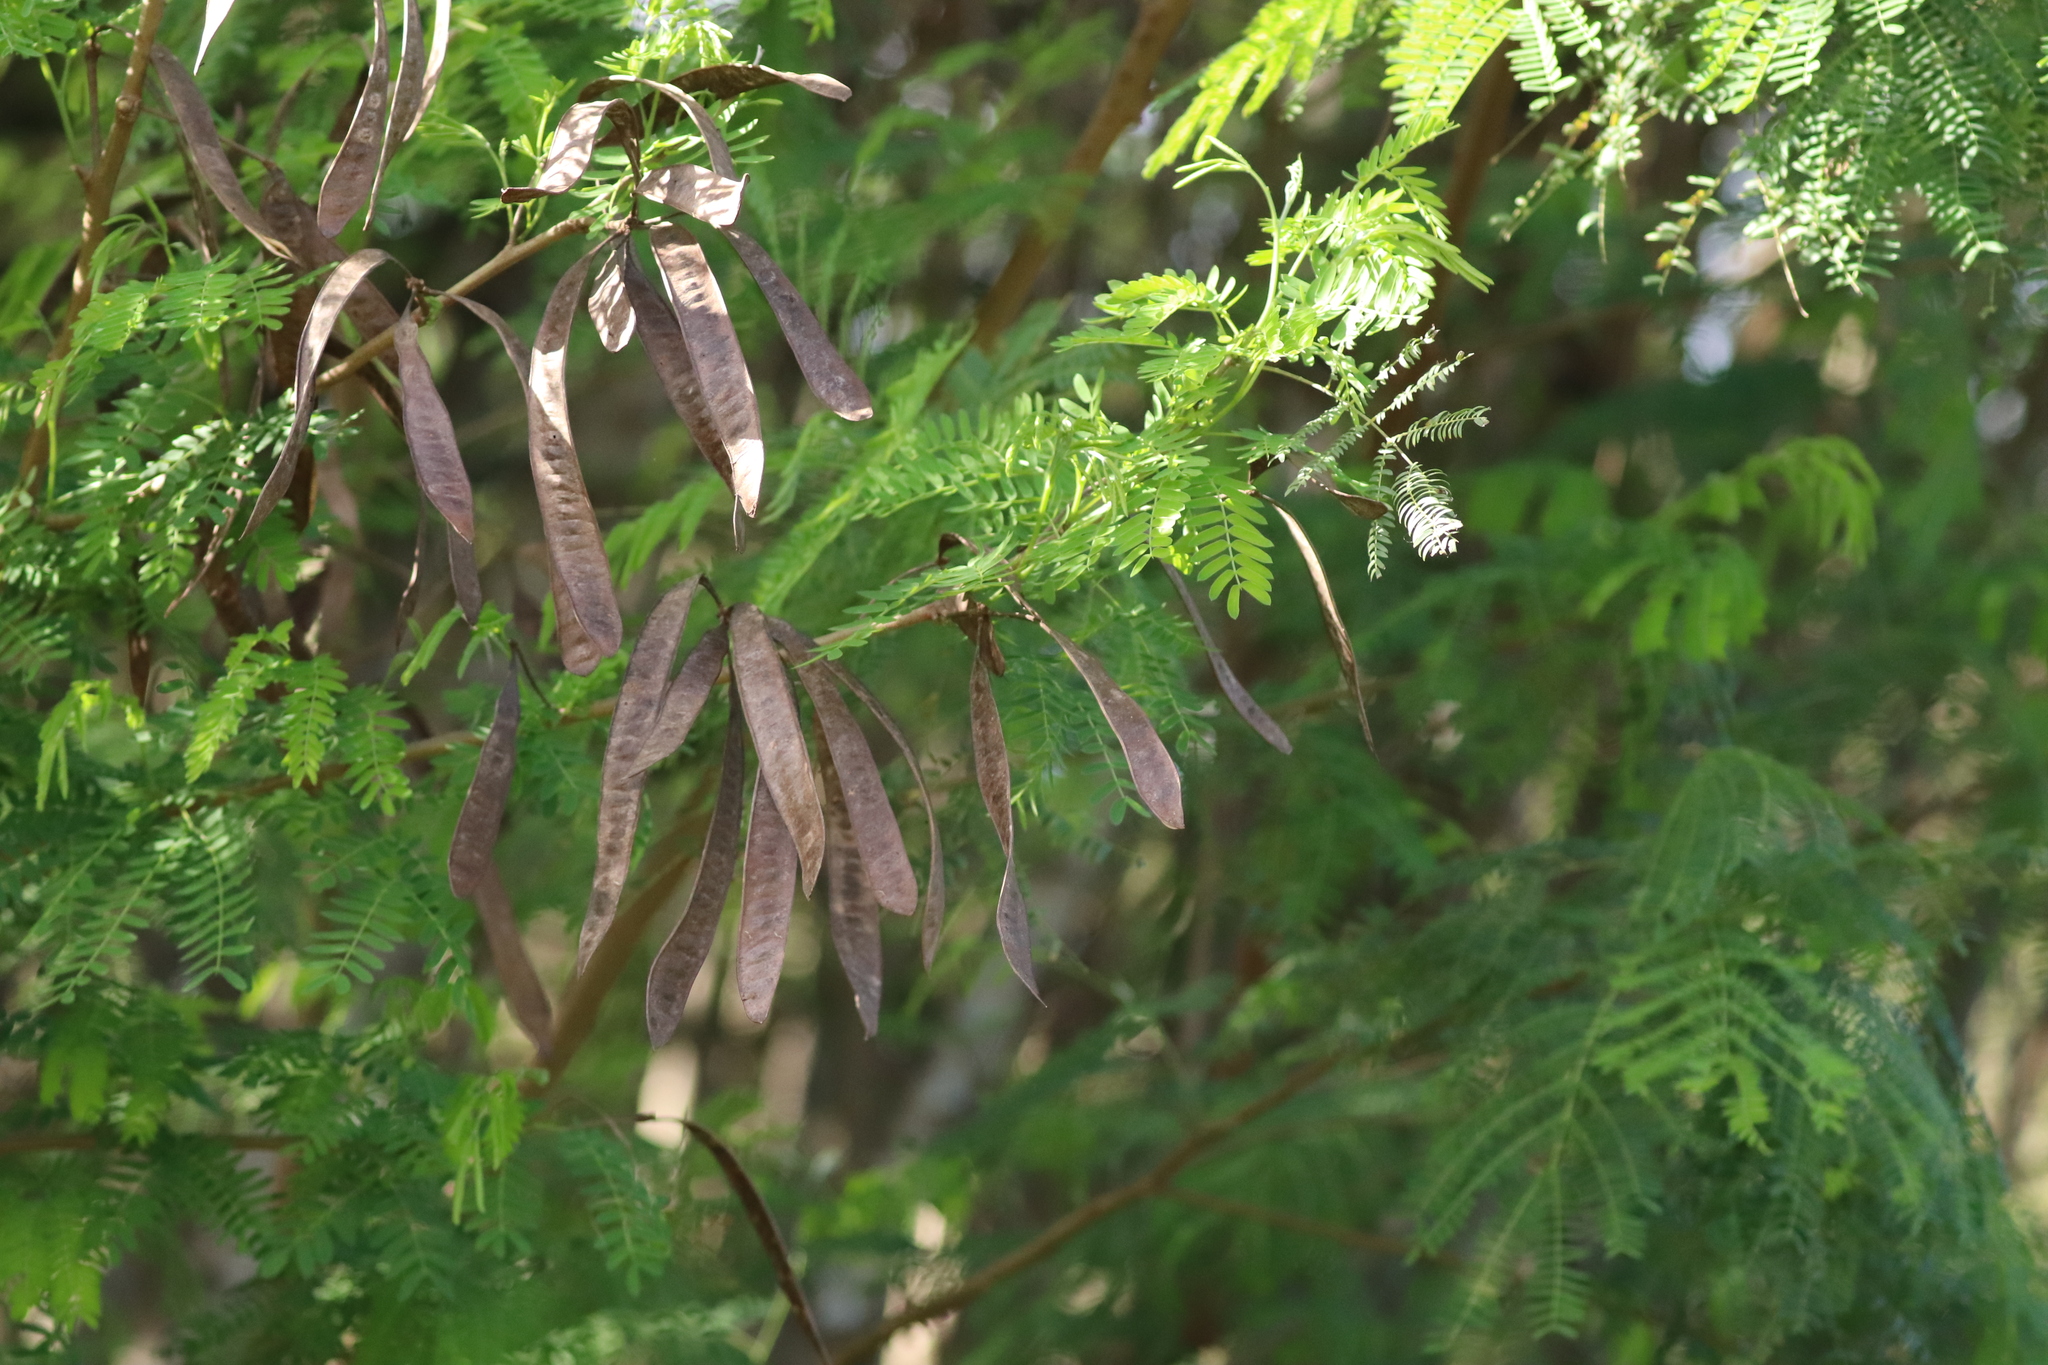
[(429, 434), (661, 337), (483, 809), (715, 353), (409, 91), (1152, 770), (682, 956), (523, 992), (701, 193), (715, 147), (579, 652), (320, 320), (1333, 621), (202, 139), (570, 150), (767, 891), (992, 775), (437, 53), (621, 782), (610, 311), (825, 369), (351, 179), (469, 591), (855, 918), (736, 78), (778, 735), (1240, 698), (770, 1236), (684, 700), (575, 545)]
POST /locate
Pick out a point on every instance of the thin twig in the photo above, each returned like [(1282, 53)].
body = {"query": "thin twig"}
[(1154, 1182)]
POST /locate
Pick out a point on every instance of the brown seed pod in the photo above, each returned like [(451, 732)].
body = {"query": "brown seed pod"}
[(1152, 769), (351, 180), (992, 775), (767, 891), (682, 956), (483, 809), (856, 919), (684, 700), (661, 337), (778, 734), (202, 140), (715, 354), (1254, 714), (437, 53), (524, 994), (703, 194), (430, 435), (575, 139), (1333, 621), (770, 1237), (736, 78), (824, 368), (610, 310)]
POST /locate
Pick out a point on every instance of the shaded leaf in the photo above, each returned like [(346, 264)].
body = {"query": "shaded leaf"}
[(610, 311), (682, 956), (483, 809), (778, 734), (765, 1229), (1333, 623), (992, 775), (736, 78), (684, 699), (620, 783), (694, 190), (856, 919), (351, 179), (1254, 714), (429, 434), (202, 140), (825, 369), (523, 992), (715, 353), (767, 890), (1152, 770)]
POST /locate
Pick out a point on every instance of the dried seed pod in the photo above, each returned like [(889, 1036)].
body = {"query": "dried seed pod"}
[(574, 141), (825, 369), (684, 699), (767, 891), (1254, 714), (409, 90), (701, 193), (778, 734), (1152, 769), (867, 801), (735, 78), (437, 53), (202, 139), (574, 543), (682, 956), (351, 180), (715, 354), (430, 435), (770, 1237), (469, 592), (855, 918), (580, 655), (1333, 621), (524, 994), (620, 783), (516, 350), (992, 775), (483, 809), (661, 337), (610, 311), (320, 320)]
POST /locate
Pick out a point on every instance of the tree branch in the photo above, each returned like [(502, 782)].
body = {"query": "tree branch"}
[(99, 205), (1153, 1183), (1130, 86)]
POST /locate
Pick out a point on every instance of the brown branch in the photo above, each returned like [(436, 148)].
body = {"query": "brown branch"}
[(1130, 86), (82, 1142), (1154, 1182), (99, 205)]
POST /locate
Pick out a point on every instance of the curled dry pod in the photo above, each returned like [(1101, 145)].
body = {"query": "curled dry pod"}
[(610, 311), (867, 801), (703, 194), (778, 735), (1152, 770), (856, 919), (409, 91), (767, 890), (429, 434), (992, 775), (352, 176), (1333, 622), (661, 337), (735, 78), (715, 354), (620, 784), (523, 992), (569, 152), (575, 547), (715, 148), (483, 810), (202, 139), (765, 1229), (1254, 714), (684, 699), (437, 53), (682, 956), (825, 370), (320, 320)]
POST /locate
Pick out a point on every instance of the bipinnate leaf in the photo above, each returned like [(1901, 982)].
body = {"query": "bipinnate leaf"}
[(765, 1229), (778, 734), (825, 369), (575, 546), (202, 139), (620, 781), (736, 78), (855, 918), (992, 775), (867, 800), (469, 591), (351, 180), (429, 434), (661, 337), (715, 354), (1333, 621), (569, 152), (767, 891), (524, 994), (320, 320), (483, 809), (684, 700), (1152, 769), (610, 310), (1254, 714), (409, 90), (437, 54), (701, 193), (682, 956)]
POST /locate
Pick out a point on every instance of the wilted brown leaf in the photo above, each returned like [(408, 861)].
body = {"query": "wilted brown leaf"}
[(1254, 715), (351, 179), (682, 956), (429, 434)]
